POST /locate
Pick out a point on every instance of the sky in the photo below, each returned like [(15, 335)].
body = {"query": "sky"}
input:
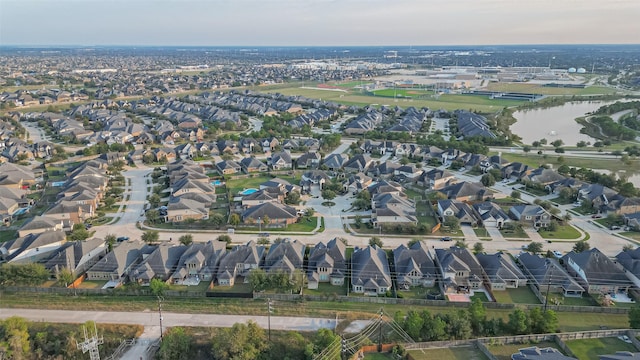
[(318, 22)]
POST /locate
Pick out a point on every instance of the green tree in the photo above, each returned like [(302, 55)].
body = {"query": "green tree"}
[(413, 324), (186, 239), (16, 336), (375, 241), (478, 248), (534, 247), (581, 246), (258, 280), (518, 322), (452, 223), (240, 342), (477, 316), (154, 200), (266, 220), (634, 317), (110, 240), (234, 219), (158, 287), (152, 215), (226, 238), (357, 221), (175, 345), (79, 233), (328, 194), (150, 236), (526, 149), (310, 211), (64, 277), (109, 201), (461, 244), (488, 180), (516, 194), (293, 198)]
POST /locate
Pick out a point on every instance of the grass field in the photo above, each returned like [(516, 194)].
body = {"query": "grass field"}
[(400, 93), (587, 349), (452, 353), (538, 89), (566, 232), (377, 356), (447, 102), (504, 351), (521, 295)]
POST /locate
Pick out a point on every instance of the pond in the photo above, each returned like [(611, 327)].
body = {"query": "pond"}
[(553, 123)]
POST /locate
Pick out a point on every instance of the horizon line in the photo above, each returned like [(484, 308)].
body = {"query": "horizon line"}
[(315, 46)]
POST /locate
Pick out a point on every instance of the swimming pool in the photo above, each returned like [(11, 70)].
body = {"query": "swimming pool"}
[(248, 191), (216, 183)]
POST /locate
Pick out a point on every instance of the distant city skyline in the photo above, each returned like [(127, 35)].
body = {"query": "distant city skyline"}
[(317, 22)]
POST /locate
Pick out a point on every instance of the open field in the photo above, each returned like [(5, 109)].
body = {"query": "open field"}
[(452, 353), (587, 349), (447, 102), (504, 351), (538, 89)]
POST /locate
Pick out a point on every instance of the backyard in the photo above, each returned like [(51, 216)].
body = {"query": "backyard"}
[(504, 351), (253, 182), (452, 353), (590, 348), (521, 295), (326, 289), (419, 292)]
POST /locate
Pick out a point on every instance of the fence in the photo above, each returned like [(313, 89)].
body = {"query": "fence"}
[(124, 345)]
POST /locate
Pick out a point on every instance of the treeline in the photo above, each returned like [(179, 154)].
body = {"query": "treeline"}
[(473, 322), (613, 129), (20, 339), (617, 107), (243, 342), (624, 187)]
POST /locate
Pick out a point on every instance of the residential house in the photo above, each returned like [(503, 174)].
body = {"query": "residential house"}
[(630, 261), (414, 266), (180, 209), (596, 272), (335, 162), (40, 224), (285, 256), (228, 167), (32, 247), (313, 177), (160, 264), (357, 183), (491, 215), (458, 209), (515, 170), (621, 355), (435, 179), (534, 215), (536, 353), (327, 263), (542, 176), (370, 273), (407, 172), (281, 160), (117, 264), (385, 169), (77, 256), (239, 262), (279, 215), (461, 271), (549, 276), (16, 176), (262, 196), (466, 191), (597, 195), (502, 271), (389, 208), (309, 160), (358, 163), (252, 164)]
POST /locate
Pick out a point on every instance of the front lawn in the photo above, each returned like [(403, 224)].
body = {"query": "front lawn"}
[(567, 232), (481, 232), (562, 201), (521, 295), (304, 224), (591, 348), (635, 235), (518, 233), (451, 353)]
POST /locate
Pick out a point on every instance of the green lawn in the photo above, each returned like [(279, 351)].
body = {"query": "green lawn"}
[(235, 186), (408, 93), (92, 284), (377, 356), (631, 234), (521, 295), (239, 288), (481, 232), (326, 289), (504, 351), (419, 292), (6, 235), (304, 224), (517, 233), (202, 286), (563, 232), (588, 349), (480, 295), (561, 201), (451, 353), (585, 300)]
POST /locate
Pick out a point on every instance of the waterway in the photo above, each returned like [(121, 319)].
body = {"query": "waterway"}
[(553, 123)]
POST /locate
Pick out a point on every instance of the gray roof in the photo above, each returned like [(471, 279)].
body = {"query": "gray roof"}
[(122, 257), (292, 251), (32, 241), (160, 264), (597, 267), (272, 210), (334, 252), (70, 254), (500, 267), (536, 353), (548, 271), (621, 355), (456, 259), (370, 266), (411, 258), (250, 254)]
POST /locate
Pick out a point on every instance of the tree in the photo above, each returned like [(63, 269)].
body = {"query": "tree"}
[(258, 280), (240, 342), (154, 200), (375, 241), (158, 287), (628, 247), (477, 315), (478, 248), (310, 211), (109, 201), (225, 238), (65, 277), (234, 219), (581, 144), (516, 194), (217, 219), (413, 324), (175, 345), (461, 244), (266, 220), (518, 322), (328, 194), (488, 180), (526, 149), (534, 247), (16, 336), (557, 143), (152, 215), (150, 236), (110, 240), (357, 221), (79, 233), (452, 223), (293, 198), (581, 246), (634, 317), (186, 239)]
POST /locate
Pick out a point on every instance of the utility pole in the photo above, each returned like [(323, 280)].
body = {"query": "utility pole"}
[(546, 298), (343, 350), (90, 344), (160, 299), (269, 311), (380, 331)]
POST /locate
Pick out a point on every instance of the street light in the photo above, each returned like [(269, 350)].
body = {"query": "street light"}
[(259, 224)]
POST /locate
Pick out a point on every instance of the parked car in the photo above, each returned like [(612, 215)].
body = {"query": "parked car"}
[(446, 238), (557, 254), (596, 216), (264, 234), (614, 227), (122, 238)]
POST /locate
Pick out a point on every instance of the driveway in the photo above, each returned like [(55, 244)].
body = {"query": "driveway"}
[(494, 233), (469, 234), (137, 195)]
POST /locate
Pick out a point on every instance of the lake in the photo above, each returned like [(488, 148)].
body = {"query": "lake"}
[(555, 123)]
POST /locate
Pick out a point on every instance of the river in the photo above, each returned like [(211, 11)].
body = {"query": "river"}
[(553, 123)]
